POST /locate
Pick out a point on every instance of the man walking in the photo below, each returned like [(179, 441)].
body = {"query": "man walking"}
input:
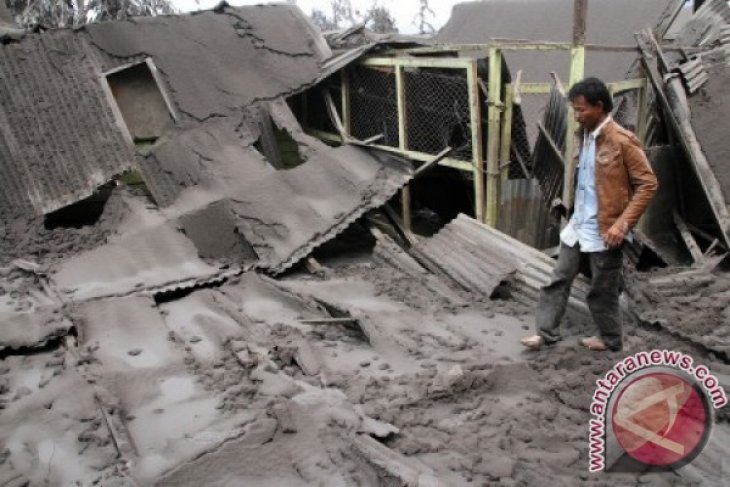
[(614, 185)]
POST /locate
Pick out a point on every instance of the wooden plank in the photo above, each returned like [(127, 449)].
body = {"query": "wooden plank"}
[(506, 137), (429, 164), (334, 116), (346, 108), (506, 44), (493, 123), (416, 62), (626, 85), (314, 267), (614, 48), (161, 86), (580, 14), (577, 71), (392, 217), (116, 112), (415, 155), (405, 201), (675, 112), (535, 88), (687, 237), (472, 79), (400, 88)]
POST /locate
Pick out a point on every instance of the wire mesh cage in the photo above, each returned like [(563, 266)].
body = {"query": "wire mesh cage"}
[(374, 104), (437, 111)]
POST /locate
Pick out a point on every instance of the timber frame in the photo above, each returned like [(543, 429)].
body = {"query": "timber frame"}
[(489, 161)]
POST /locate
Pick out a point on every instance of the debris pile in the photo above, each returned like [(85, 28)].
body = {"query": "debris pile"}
[(195, 289)]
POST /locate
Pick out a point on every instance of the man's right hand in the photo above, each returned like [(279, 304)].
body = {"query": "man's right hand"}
[(557, 209)]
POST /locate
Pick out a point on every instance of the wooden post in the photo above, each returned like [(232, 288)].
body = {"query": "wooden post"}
[(472, 80), (400, 88), (346, 111), (493, 129), (506, 139), (577, 71)]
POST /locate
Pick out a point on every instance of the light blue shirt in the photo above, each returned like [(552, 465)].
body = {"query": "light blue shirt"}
[(583, 225)]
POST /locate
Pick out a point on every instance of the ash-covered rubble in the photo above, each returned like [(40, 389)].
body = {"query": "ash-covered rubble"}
[(145, 341)]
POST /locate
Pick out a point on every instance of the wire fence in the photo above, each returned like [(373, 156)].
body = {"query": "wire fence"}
[(437, 111), (374, 104)]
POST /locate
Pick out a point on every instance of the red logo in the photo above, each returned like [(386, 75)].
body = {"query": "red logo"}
[(661, 419)]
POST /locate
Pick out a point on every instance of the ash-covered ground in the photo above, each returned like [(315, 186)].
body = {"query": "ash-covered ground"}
[(363, 374)]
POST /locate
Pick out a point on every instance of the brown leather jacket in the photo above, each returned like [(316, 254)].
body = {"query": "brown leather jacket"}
[(625, 182)]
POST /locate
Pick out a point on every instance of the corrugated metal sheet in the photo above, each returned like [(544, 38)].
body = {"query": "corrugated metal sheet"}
[(693, 74), (482, 258), (59, 139), (283, 215), (457, 251), (154, 259), (524, 215), (707, 25), (288, 214)]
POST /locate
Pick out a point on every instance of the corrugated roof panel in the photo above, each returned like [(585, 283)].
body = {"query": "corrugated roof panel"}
[(481, 258), (59, 139), (158, 257)]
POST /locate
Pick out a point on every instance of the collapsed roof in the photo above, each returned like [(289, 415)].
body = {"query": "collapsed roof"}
[(692, 89), (552, 20), (204, 89), (217, 62), (59, 138), (62, 139)]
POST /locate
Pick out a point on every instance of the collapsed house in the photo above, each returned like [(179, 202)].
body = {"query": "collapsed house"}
[(172, 187)]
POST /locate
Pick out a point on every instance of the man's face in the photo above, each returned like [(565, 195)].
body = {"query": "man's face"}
[(587, 115)]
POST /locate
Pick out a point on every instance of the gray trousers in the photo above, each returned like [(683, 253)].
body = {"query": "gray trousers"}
[(602, 300)]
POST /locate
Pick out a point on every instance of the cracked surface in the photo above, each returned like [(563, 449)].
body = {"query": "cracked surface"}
[(217, 63)]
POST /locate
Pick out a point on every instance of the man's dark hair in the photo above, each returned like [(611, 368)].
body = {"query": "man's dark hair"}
[(593, 90)]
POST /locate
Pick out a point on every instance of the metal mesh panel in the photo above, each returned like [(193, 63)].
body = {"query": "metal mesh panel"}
[(548, 166), (374, 104), (520, 153), (437, 111)]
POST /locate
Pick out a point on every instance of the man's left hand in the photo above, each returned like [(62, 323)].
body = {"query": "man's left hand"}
[(614, 237)]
